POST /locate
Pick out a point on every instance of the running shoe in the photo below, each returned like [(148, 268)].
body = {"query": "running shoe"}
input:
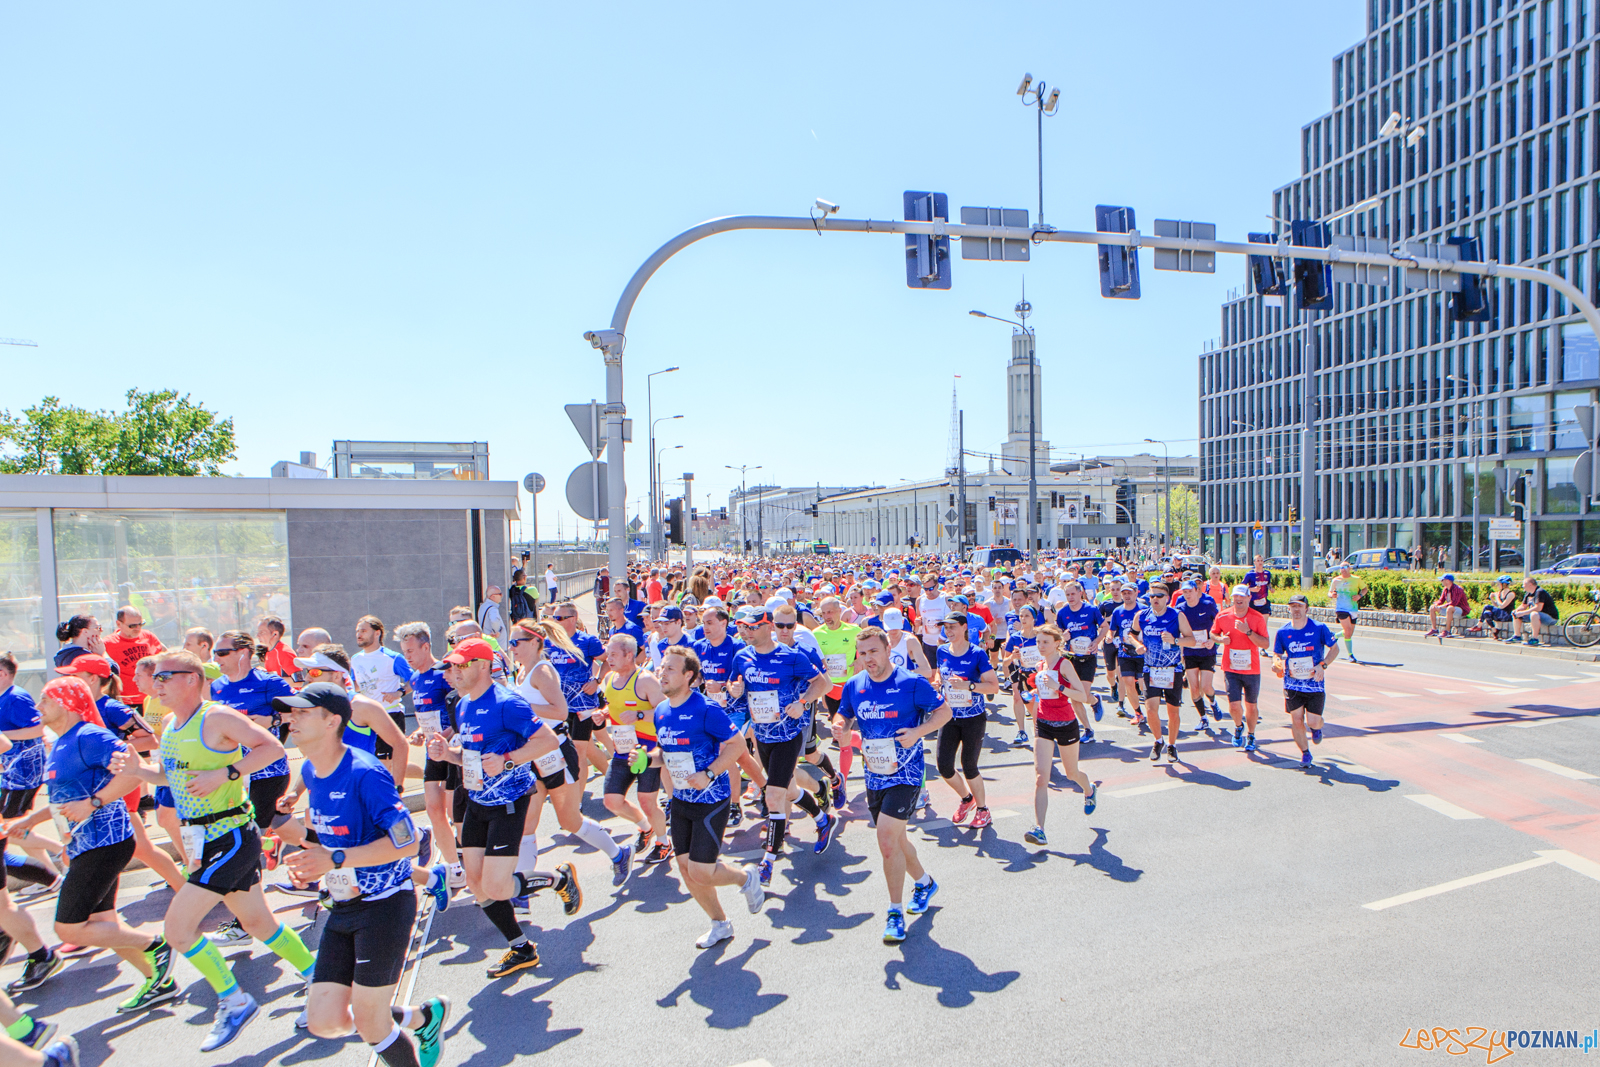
[(228, 933), (981, 818), (921, 893), (424, 848), (922, 798), (721, 930), (230, 1023), (1155, 752), (1021, 738), (1431, 633), (1316, 737), (519, 903), (1305, 758), (271, 847), (660, 854), (63, 1053), (735, 815), (1205, 723), (826, 825), (518, 958), (964, 809), (1250, 743), (40, 1035), (1353, 658), (1514, 639), (36, 972), (1099, 709), (1088, 736), (646, 839), (311, 890), (1035, 836), (568, 890), (150, 993), (894, 930), (439, 887), (754, 895), (1172, 752), (622, 864), (1238, 737), (458, 876), (1122, 710), (838, 790), (160, 959), (764, 869), (825, 794), (1534, 642), (437, 1010), (1090, 801)]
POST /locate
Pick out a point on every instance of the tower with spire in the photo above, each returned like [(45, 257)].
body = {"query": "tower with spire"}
[(1014, 452)]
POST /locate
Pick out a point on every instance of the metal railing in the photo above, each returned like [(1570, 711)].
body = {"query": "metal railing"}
[(575, 583)]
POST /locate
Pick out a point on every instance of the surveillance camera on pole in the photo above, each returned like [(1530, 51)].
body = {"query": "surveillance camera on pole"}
[(605, 340)]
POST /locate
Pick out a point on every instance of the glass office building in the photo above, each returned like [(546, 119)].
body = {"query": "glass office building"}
[(1498, 138)]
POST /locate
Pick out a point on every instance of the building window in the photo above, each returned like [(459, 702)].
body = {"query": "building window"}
[(21, 629), (1525, 424)]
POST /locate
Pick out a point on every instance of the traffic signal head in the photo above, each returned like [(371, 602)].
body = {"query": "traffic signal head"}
[(1313, 278), (1119, 265), (675, 520), (927, 256), (1471, 302), (1267, 271)]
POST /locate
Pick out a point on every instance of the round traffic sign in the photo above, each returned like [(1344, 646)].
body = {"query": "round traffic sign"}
[(534, 483)]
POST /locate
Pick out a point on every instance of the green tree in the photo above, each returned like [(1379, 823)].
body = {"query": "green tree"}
[(1185, 515), (160, 433)]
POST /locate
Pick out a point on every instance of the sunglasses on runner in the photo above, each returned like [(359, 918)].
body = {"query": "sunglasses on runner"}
[(166, 676), (226, 651), (785, 625)]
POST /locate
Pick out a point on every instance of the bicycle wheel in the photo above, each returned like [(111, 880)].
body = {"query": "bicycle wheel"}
[(1582, 629)]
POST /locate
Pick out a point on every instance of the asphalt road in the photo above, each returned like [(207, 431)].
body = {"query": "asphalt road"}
[(1216, 910)]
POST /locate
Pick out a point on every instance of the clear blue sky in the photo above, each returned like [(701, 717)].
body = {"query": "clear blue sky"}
[(396, 220)]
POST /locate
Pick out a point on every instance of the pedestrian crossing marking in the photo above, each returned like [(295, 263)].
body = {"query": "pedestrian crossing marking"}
[(1443, 807), (1445, 692), (1159, 787), (1556, 768), (1463, 739), (1459, 883)]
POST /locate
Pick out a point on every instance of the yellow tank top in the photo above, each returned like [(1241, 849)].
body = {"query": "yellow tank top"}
[(626, 707), (184, 753)]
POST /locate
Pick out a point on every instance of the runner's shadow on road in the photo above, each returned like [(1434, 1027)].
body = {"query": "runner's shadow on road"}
[(726, 987), (1101, 859), (925, 962), (509, 1026), (805, 910), (1195, 776), (654, 887), (1331, 774)]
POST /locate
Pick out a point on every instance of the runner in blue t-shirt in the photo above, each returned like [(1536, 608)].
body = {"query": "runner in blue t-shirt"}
[(966, 678), (716, 651), (1082, 629), (1130, 660), (1259, 581), (699, 746), (1200, 658), (1301, 651), (358, 843), (1161, 633), (580, 683), (894, 709)]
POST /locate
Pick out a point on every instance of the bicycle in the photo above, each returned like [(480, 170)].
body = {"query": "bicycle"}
[(1582, 628)]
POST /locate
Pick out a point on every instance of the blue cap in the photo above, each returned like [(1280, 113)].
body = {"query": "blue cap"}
[(1448, 577), (883, 598), (1188, 585), (670, 614)]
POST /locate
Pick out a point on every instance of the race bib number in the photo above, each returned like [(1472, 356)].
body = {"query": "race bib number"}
[(1239, 659), (472, 769), (430, 722), (881, 754), (1300, 667), (194, 843), (958, 698), (1049, 683), (626, 738), (1202, 636), (680, 765), (552, 762), (1080, 646), (836, 664), (63, 827), (1031, 657), (341, 883), (764, 706), (1161, 677)]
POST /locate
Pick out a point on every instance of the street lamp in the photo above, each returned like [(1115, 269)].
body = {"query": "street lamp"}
[(649, 404), (1023, 309), (1166, 466), (661, 487), (1033, 96), (657, 490), (744, 531)]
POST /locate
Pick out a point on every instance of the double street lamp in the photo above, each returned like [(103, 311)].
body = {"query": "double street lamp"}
[(744, 530), (656, 546)]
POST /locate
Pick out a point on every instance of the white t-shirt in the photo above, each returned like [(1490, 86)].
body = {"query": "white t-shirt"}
[(931, 612), (375, 675)]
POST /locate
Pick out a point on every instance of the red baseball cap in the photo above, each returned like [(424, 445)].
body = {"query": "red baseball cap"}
[(96, 665), (471, 648)]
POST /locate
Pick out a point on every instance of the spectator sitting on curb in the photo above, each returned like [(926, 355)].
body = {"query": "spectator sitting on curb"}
[(1452, 604)]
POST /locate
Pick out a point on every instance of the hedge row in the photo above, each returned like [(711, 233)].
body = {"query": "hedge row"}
[(1413, 592)]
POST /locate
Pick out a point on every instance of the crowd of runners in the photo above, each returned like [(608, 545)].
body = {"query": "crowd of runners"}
[(746, 689)]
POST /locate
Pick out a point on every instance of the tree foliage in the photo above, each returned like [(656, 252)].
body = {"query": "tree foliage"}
[(1185, 514), (160, 433)]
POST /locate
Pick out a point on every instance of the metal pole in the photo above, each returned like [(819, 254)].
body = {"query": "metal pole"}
[(1308, 450), (688, 525), (1033, 433), (650, 415), (761, 547), (961, 498), (1039, 108), (594, 472)]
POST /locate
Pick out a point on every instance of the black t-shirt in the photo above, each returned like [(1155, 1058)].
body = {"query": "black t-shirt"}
[(1546, 602)]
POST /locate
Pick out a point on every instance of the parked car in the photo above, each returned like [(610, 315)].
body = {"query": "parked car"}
[(1379, 559), (1086, 564), (1193, 565), (989, 556), (1292, 563), (1581, 566)]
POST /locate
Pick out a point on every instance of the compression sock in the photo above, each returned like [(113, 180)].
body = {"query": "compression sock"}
[(777, 825), (504, 918), (826, 763), (21, 1028), (27, 869), (594, 834), (529, 882), (808, 803), (405, 1016), (846, 758), (1349, 646), (287, 944), (396, 1050), (528, 854), (207, 959)]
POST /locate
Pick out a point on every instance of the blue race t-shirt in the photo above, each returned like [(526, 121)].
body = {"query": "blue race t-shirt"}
[(1082, 625), (354, 806), (252, 695), (1157, 653), (1122, 619), (430, 695), (716, 661), (881, 710), (117, 716), (971, 665), (633, 630), (1260, 584), (1202, 616), (784, 671), (696, 728), (79, 766), (577, 671), (498, 722), (17, 709), (1302, 649)]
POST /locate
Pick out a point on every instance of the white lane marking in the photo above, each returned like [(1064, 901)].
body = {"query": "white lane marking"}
[(1389, 694), (1547, 720), (1355, 768), (1556, 768), (1445, 692), (1503, 678), (1573, 861), (1001, 813), (1561, 677), (1464, 739), (934, 824), (1459, 883), (1159, 787), (1443, 807), (753, 1063)]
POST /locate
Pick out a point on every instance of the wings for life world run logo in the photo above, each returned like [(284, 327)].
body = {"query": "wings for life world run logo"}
[(1496, 1045)]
